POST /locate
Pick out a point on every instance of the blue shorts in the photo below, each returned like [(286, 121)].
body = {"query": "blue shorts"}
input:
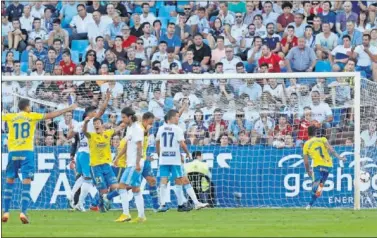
[(118, 172), (131, 177), (23, 160), (176, 171), (82, 165), (320, 173), (103, 176), (147, 169)]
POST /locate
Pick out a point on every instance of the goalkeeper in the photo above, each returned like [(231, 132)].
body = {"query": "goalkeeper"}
[(199, 175)]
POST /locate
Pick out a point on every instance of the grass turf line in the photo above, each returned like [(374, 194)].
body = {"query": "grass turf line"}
[(208, 222)]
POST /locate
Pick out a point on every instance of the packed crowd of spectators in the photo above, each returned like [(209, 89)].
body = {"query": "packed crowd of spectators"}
[(188, 37)]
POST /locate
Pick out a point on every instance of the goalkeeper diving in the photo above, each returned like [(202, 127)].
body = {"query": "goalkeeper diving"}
[(318, 149)]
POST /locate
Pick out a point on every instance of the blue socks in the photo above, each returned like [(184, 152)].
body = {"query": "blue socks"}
[(314, 190), (25, 197), (112, 194), (154, 195), (8, 192), (95, 200)]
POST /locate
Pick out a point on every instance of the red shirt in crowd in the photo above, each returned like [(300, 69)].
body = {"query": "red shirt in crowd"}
[(287, 130), (303, 129), (68, 69), (272, 61), (294, 42), (212, 126), (284, 20), (129, 41)]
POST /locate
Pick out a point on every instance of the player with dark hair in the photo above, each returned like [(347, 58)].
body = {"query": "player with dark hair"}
[(318, 149), (21, 152)]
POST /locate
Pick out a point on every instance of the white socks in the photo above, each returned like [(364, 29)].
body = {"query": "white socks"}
[(139, 200), (85, 188), (125, 203), (190, 191), (76, 186), (182, 196), (163, 194), (179, 193)]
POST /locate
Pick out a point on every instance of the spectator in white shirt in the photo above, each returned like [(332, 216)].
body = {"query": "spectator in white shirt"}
[(225, 15), (340, 54), (260, 29), (156, 105), (146, 16), (230, 61), (186, 93), (276, 90), (161, 54), (369, 136), (366, 56), (37, 32), (192, 19), (64, 127), (96, 28), (37, 10), (326, 40), (165, 64), (239, 29), (252, 89), (7, 90), (80, 23), (298, 24), (110, 10), (27, 20), (321, 112)]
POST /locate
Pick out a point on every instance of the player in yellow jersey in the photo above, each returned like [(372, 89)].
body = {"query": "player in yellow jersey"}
[(122, 162), (147, 173), (21, 152), (318, 149), (100, 160)]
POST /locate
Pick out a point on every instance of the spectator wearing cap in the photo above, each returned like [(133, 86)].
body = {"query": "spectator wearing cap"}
[(114, 29), (96, 6), (366, 56), (14, 10), (252, 89), (161, 54), (230, 61), (327, 15), (156, 104), (355, 35), (80, 23), (340, 54), (150, 41), (271, 59), (327, 40), (165, 64), (68, 67), (146, 16), (290, 40), (96, 28), (298, 24), (219, 52), (269, 16), (50, 61), (188, 65), (171, 39), (343, 17), (285, 18), (128, 39), (301, 58), (58, 33), (18, 37), (272, 40), (133, 63), (37, 32)]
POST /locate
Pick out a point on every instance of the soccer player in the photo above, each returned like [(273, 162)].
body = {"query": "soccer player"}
[(100, 159), (131, 177), (170, 164), (147, 173), (318, 149), (83, 159), (21, 152)]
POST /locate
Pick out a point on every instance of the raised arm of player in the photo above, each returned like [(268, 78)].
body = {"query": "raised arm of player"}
[(103, 107), (85, 127), (57, 113), (333, 152)]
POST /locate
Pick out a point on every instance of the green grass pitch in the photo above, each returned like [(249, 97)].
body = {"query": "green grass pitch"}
[(209, 222)]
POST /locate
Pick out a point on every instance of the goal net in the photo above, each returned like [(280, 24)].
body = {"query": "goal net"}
[(249, 128)]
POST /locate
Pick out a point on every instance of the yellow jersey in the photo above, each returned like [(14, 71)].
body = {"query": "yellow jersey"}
[(22, 130), (100, 147), (317, 150), (122, 160), (145, 142)]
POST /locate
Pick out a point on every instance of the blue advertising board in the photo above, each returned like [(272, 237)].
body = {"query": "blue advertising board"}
[(253, 176)]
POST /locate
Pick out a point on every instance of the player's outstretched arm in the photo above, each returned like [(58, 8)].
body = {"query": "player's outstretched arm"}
[(103, 107), (54, 114), (85, 127), (119, 128), (333, 152)]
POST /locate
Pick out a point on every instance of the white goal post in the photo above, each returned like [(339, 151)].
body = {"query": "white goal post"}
[(247, 194)]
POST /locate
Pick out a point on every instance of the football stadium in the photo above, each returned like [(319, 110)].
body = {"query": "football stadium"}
[(189, 118)]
